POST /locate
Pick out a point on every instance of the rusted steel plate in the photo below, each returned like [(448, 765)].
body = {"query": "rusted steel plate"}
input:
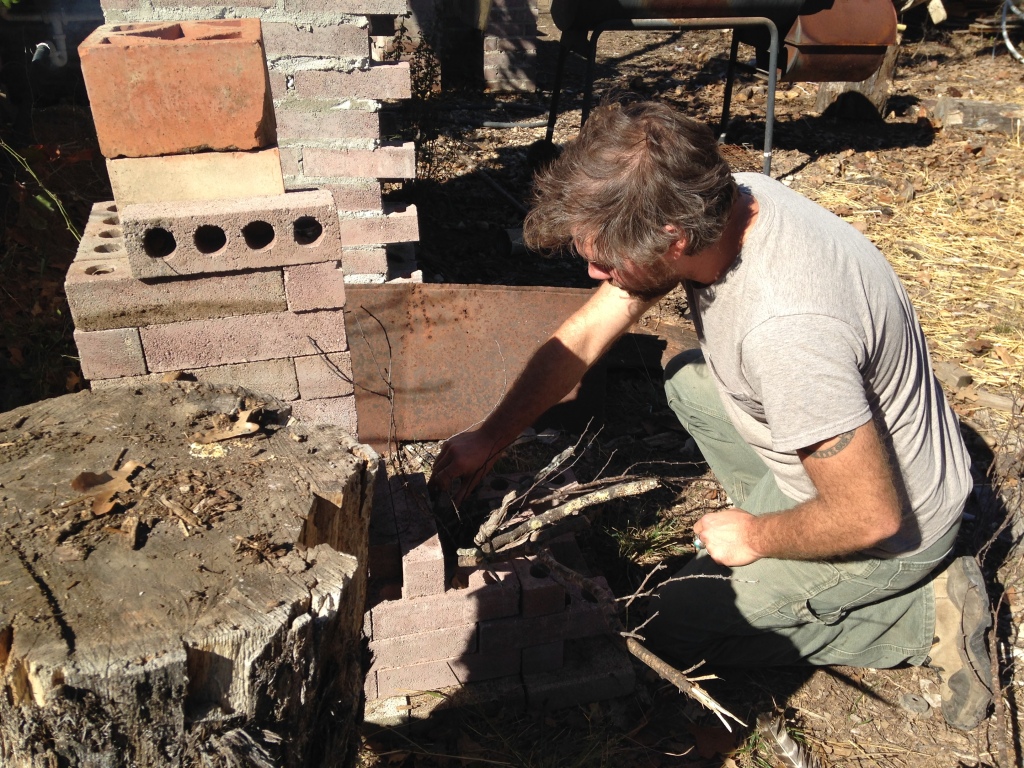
[(430, 360)]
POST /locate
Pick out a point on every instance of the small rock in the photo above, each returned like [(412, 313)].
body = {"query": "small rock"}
[(914, 704)]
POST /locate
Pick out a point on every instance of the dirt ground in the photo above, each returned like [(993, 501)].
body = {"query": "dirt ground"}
[(946, 205)]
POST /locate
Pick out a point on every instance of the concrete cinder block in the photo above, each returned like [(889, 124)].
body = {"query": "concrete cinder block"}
[(324, 376), (398, 224), (385, 552), (192, 238), (381, 81), (102, 294), (294, 124), (422, 556), (541, 594), (355, 194), (315, 286), (174, 87), (364, 261), (339, 411), (543, 658), (201, 176), (205, 343), (435, 645), (397, 162), (492, 592), (114, 352), (340, 40), (365, 7), (270, 377), (594, 669), (518, 632)]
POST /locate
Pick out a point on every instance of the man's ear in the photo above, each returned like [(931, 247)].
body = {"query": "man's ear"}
[(678, 249)]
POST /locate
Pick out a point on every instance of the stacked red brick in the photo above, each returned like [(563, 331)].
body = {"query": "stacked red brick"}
[(327, 93), (175, 276), (506, 625), (510, 45)]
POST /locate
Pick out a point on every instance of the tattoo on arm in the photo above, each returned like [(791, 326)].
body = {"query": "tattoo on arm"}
[(832, 450)]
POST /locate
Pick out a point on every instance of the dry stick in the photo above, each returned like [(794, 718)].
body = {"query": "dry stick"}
[(473, 556), (569, 509), (607, 602)]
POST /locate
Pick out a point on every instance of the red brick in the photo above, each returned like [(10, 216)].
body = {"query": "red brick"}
[(355, 195), (102, 294), (271, 377), (435, 645), (540, 593), (315, 286), (106, 354), (474, 667), (422, 556), (339, 411), (427, 676), (381, 163), (495, 43), (252, 233), (359, 7), (321, 376), (492, 591), (398, 225), (204, 343), (135, 74), (543, 658), (396, 618), (342, 40), (364, 261), (381, 81), (296, 124)]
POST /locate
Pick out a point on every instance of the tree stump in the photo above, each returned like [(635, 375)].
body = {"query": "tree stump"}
[(859, 101), (188, 602)]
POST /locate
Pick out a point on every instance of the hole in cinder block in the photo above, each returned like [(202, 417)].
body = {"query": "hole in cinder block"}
[(112, 208), (586, 595), (107, 248), (158, 243), (113, 221), (539, 571), (258, 235), (99, 269), (109, 233), (499, 484), (210, 239), (308, 230)]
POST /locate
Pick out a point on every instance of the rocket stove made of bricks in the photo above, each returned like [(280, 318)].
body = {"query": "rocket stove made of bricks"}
[(181, 274), (504, 630)]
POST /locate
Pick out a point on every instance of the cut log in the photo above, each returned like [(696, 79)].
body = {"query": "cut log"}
[(212, 617), (859, 101), (981, 116)]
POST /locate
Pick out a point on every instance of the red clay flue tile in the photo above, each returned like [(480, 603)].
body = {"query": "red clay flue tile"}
[(175, 87)]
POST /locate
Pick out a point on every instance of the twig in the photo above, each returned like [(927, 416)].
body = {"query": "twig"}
[(569, 509)]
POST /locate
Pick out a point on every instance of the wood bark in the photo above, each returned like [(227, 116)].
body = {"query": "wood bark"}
[(150, 637)]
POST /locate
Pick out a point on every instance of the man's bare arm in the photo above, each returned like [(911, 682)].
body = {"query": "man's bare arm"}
[(857, 507), (551, 373)]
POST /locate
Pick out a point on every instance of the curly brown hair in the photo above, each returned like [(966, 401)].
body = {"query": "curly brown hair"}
[(634, 170)]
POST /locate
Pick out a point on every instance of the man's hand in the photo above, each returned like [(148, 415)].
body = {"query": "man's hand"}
[(726, 536), (467, 457)]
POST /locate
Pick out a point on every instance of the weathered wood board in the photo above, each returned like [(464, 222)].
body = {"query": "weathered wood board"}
[(212, 615)]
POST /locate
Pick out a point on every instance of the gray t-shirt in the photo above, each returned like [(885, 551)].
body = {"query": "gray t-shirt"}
[(810, 335)]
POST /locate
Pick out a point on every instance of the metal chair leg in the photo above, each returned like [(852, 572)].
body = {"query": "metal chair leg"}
[(556, 92), (773, 76), (588, 83), (730, 75)]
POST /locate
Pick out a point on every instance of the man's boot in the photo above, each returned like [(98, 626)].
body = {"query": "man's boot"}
[(960, 650)]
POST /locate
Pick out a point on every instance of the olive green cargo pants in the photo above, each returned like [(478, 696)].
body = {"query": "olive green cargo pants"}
[(858, 611)]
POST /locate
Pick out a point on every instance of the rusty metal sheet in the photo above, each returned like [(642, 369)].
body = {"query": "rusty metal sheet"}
[(430, 360)]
